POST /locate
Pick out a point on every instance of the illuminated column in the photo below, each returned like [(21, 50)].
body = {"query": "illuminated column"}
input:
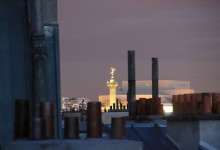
[(112, 85)]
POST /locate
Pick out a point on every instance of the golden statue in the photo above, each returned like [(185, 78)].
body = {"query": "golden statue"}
[(112, 71)]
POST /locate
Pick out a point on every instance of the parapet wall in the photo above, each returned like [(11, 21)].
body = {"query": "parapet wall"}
[(187, 132), (90, 144)]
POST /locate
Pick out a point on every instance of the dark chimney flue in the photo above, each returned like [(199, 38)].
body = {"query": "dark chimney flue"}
[(154, 78), (131, 95)]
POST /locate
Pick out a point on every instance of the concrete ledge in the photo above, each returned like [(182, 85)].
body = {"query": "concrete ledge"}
[(173, 141), (88, 144), (187, 134), (192, 117), (205, 146), (106, 117)]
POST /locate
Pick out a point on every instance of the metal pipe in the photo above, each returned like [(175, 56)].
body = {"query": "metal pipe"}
[(94, 120), (175, 104), (215, 99), (131, 95), (120, 106), (37, 16), (71, 129), (193, 103), (114, 106), (117, 104), (39, 65), (218, 107), (154, 78), (47, 109), (118, 128), (39, 56), (36, 129), (180, 104), (198, 99), (21, 119), (143, 106), (186, 104), (206, 103), (47, 115)]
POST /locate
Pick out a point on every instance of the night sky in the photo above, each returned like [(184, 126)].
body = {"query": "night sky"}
[(96, 34)]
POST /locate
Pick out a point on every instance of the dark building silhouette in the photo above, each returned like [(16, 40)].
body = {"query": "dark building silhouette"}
[(16, 60)]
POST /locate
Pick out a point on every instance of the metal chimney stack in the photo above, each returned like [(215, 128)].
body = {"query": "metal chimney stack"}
[(131, 95), (154, 78)]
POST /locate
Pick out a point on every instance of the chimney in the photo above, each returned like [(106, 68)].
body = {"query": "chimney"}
[(154, 78), (131, 95)]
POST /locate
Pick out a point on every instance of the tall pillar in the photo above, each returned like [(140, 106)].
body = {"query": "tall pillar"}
[(131, 95), (112, 85), (154, 78)]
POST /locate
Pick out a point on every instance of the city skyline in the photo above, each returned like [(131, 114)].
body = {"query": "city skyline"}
[(96, 35)]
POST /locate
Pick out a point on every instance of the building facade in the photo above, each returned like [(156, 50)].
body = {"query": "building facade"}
[(167, 88), (74, 104)]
